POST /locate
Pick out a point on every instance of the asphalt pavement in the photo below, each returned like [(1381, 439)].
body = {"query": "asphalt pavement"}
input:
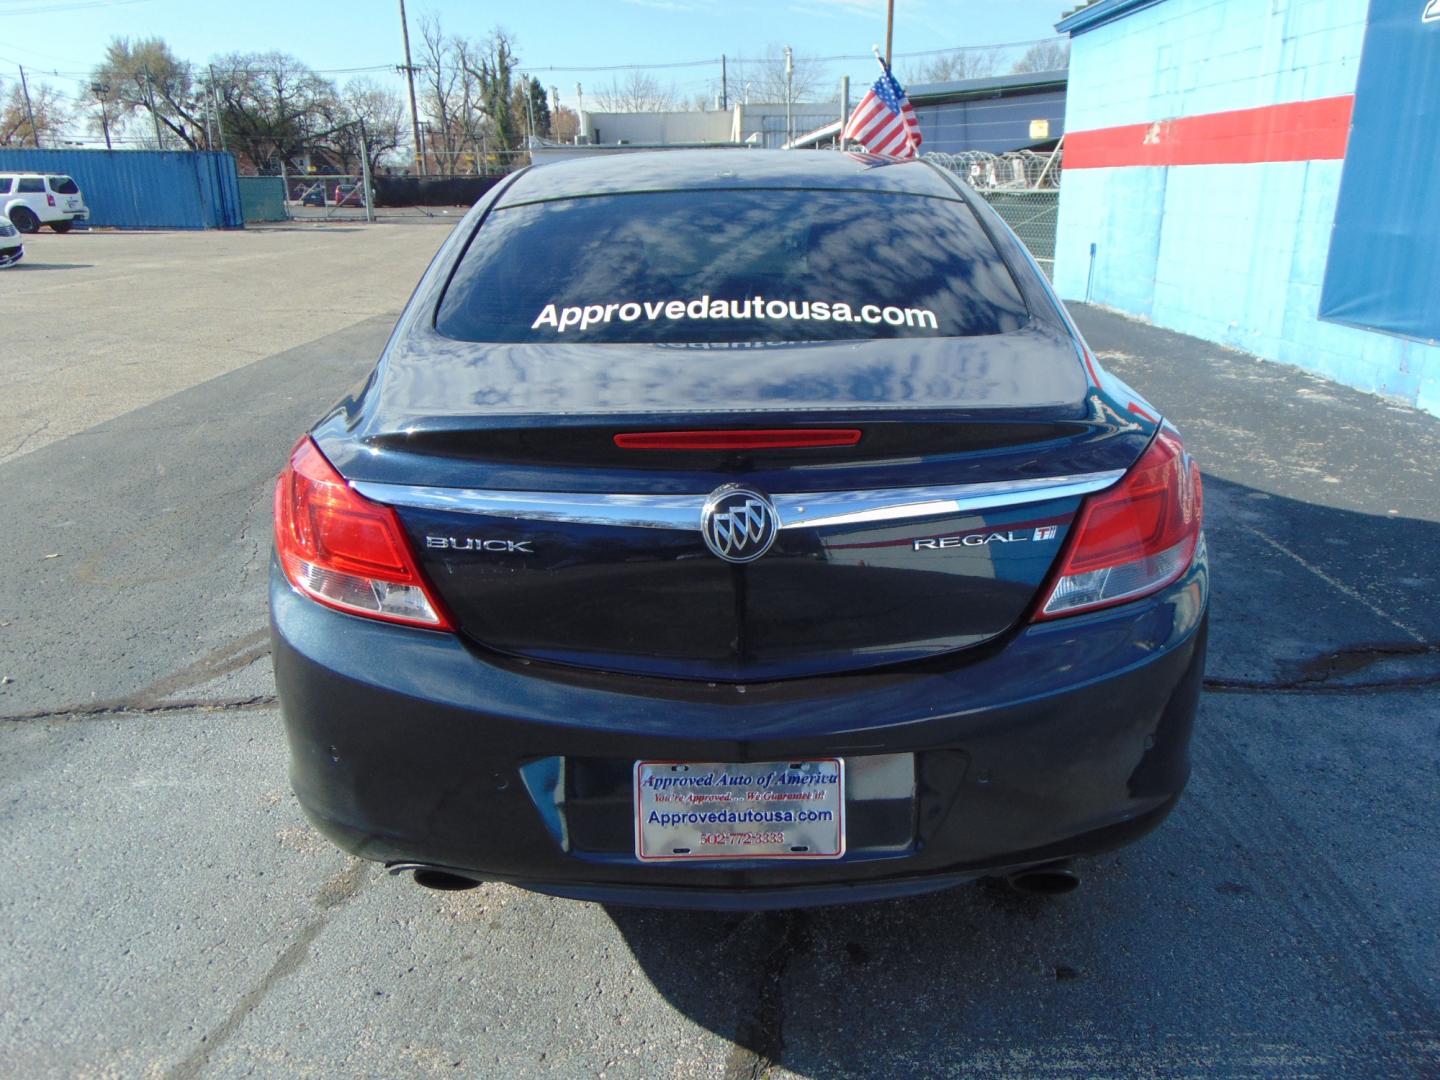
[(166, 911)]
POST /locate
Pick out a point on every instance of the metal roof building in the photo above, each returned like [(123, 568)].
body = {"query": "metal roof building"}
[(998, 114)]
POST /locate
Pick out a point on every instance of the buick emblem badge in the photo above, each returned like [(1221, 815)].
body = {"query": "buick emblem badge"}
[(738, 524)]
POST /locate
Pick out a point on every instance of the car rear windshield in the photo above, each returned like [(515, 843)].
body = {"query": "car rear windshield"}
[(730, 266), (63, 185)]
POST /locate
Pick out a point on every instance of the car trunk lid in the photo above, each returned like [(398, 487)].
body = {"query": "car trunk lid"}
[(549, 539)]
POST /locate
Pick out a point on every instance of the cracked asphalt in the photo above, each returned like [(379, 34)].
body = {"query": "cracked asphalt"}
[(165, 910)]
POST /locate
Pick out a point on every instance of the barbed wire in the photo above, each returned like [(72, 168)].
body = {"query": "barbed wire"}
[(1019, 170)]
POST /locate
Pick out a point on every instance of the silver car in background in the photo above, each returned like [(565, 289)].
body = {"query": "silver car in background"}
[(11, 249)]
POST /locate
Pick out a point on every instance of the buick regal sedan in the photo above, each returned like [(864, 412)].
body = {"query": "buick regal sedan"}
[(737, 529)]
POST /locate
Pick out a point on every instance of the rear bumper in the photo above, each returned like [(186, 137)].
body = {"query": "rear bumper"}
[(407, 745)]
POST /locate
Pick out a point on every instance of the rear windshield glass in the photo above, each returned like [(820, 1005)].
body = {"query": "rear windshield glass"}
[(63, 185), (723, 265)]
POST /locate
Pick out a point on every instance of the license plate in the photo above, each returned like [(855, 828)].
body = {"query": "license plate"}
[(740, 810)]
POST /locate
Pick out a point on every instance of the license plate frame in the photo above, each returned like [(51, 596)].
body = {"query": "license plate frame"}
[(749, 802)]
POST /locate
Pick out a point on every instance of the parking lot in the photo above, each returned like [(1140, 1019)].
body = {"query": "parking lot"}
[(166, 910)]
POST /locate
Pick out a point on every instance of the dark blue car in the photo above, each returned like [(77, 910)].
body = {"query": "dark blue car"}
[(737, 529)]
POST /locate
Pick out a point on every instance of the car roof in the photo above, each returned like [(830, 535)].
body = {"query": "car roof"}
[(688, 170)]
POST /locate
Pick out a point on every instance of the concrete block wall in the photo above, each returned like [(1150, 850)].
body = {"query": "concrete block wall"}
[(1234, 253)]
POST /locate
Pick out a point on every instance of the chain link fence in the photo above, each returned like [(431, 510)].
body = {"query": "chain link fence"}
[(335, 196), (325, 195), (1022, 187)]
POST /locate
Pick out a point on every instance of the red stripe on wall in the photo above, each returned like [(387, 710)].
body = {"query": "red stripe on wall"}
[(1295, 131)]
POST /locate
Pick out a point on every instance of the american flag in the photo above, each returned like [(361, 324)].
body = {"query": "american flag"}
[(884, 122)]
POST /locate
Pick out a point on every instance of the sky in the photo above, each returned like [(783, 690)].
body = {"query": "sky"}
[(58, 41)]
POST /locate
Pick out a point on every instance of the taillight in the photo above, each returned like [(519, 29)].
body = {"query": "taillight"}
[(50, 200), (1135, 538), (345, 551)]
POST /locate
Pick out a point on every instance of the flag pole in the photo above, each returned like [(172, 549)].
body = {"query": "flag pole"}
[(889, 30)]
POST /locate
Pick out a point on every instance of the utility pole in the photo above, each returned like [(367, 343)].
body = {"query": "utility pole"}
[(29, 111), (724, 85), (789, 79), (154, 115), (410, 80), (219, 116), (529, 104), (844, 110), (579, 110), (889, 30), (101, 92), (365, 173)]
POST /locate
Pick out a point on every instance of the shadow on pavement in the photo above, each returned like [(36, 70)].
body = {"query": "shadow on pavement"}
[(1272, 924)]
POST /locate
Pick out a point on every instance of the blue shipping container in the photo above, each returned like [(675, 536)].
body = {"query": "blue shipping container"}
[(144, 189)]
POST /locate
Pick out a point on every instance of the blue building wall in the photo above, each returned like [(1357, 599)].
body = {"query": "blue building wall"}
[(144, 189), (1232, 253)]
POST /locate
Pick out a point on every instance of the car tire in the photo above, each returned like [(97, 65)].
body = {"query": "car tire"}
[(24, 220), (61, 226)]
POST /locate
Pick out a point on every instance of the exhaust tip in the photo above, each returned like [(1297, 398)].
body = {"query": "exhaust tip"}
[(1053, 880), (440, 881), (432, 877)]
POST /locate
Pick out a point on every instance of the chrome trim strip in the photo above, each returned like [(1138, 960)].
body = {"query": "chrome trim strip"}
[(801, 510), (897, 504), (631, 511)]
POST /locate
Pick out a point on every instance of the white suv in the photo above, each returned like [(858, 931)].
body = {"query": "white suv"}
[(34, 199)]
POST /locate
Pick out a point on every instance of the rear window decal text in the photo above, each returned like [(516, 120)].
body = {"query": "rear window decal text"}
[(583, 316)]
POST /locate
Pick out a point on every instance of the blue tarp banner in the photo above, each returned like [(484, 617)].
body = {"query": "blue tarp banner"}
[(1384, 267)]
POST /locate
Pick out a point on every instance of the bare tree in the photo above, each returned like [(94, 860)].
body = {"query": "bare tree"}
[(957, 65), (1053, 55), (50, 115), (144, 76), (468, 97), (637, 92), (763, 79), (564, 124), (442, 95), (473, 125), (382, 111), (275, 109)]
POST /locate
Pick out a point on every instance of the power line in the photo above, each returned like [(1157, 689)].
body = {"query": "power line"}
[(73, 5), (715, 61), (81, 75), (846, 57)]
